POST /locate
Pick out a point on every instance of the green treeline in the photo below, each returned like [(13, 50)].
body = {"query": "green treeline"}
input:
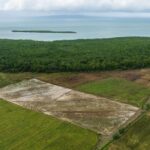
[(77, 55)]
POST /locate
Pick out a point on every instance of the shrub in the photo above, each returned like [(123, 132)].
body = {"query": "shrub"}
[(147, 107), (122, 130), (116, 136)]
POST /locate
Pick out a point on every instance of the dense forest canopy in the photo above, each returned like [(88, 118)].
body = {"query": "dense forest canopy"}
[(77, 55)]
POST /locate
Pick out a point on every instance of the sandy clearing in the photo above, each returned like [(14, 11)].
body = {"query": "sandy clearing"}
[(95, 113)]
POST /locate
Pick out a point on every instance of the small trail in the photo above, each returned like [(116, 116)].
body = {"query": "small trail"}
[(102, 141)]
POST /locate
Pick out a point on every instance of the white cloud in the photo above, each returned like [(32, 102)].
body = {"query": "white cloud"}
[(76, 5)]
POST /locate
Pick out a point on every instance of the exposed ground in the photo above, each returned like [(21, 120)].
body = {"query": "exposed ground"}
[(96, 113), (22, 129)]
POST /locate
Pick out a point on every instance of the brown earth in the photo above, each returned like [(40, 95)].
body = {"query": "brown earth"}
[(72, 80)]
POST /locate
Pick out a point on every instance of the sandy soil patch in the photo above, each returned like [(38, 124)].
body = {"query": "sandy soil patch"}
[(95, 113)]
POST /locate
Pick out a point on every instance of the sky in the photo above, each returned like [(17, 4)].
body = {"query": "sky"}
[(75, 6)]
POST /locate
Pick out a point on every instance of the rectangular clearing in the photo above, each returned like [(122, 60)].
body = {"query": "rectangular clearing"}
[(88, 111)]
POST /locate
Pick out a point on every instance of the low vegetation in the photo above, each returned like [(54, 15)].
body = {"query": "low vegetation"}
[(119, 90), (147, 107), (78, 55), (116, 136), (27, 130)]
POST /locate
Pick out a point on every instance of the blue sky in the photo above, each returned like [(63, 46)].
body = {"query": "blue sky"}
[(77, 6)]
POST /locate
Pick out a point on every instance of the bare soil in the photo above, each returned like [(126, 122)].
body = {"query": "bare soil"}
[(71, 80)]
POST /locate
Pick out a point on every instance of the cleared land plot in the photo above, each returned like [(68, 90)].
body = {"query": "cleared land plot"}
[(119, 90), (22, 129), (136, 138), (96, 113)]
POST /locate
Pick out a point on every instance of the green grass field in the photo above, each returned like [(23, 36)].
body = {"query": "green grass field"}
[(118, 89), (22, 129), (136, 138)]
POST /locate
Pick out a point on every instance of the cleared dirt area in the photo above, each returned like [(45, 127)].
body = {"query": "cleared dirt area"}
[(95, 113), (71, 80)]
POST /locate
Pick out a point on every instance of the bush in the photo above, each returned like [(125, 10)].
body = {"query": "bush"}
[(122, 131), (116, 136), (147, 107)]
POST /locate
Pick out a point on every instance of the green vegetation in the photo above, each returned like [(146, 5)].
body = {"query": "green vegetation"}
[(122, 131), (116, 136), (147, 107), (136, 138), (118, 89), (27, 130), (78, 55), (42, 31)]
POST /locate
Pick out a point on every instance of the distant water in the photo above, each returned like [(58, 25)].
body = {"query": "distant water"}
[(86, 27)]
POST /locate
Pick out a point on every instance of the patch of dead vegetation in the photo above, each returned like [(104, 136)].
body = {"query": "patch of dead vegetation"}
[(71, 80)]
